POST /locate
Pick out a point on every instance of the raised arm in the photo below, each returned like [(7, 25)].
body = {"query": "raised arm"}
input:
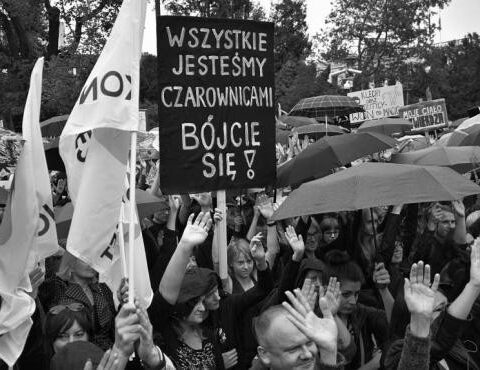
[(460, 232), (194, 234)]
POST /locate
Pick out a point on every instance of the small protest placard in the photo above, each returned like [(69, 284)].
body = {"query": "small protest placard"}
[(378, 102), (426, 116), (216, 104)]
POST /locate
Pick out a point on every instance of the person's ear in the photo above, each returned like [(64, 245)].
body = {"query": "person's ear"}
[(264, 355)]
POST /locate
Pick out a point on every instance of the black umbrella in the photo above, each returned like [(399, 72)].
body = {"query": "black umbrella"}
[(326, 105), (321, 157)]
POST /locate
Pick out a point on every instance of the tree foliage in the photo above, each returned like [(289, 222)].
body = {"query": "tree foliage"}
[(453, 74), (235, 9), (380, 33), (29, 29)]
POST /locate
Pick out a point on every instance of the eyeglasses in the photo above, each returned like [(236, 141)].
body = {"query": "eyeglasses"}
[(76, 307)]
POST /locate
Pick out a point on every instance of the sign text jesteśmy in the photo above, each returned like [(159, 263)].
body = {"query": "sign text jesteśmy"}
[(217, 103)]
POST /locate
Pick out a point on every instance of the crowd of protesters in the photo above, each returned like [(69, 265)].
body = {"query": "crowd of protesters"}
[(385, 288)]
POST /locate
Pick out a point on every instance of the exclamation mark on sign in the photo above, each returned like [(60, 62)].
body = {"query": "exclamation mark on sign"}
[(250, 157)]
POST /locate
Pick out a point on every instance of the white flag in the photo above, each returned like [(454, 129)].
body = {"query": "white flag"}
[(142, 288), (95, 142), (18, 236), (46, 243)]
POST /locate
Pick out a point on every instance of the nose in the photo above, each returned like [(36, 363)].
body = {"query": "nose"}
[(305, 354), (352, 299), (71, 339), (201, 307)]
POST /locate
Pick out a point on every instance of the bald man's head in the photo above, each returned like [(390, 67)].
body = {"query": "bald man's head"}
[(281, 344)]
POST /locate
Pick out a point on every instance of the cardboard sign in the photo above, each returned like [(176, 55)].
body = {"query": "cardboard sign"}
[(216, 104), (378, 102), (427, 115)]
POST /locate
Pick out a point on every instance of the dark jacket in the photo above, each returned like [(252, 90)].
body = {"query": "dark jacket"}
[(364, 322), (445, 346), (102, 313)]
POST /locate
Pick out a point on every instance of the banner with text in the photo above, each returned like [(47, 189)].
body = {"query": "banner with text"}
[(427, 115), (378, 103), (216, 104)]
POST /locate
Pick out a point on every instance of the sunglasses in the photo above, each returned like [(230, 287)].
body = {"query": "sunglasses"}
[(76, 307)]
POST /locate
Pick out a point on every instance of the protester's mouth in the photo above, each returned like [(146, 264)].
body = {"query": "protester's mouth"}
[(307, 364)]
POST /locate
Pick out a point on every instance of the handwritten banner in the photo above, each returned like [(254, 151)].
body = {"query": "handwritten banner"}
[(216, 104), (427, 115), (378, 102)]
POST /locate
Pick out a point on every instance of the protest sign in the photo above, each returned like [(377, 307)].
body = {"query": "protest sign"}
[(378, 102), (426, 116), (216, 104)]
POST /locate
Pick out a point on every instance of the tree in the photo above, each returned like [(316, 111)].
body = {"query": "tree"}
[(291, 38), (29, 29), (380, 33), (235, 9), (453, 74)]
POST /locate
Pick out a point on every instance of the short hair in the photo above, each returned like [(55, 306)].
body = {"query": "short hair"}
[(237, 248), (340, 265), (263, 322)]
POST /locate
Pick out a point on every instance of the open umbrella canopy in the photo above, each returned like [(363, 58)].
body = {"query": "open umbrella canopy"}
[(376, 184), (386, 126), (319, 128), (328, 153), (469, 122), (472, 136), (326, 105), (297, 121), (461, 158), (53, 127)]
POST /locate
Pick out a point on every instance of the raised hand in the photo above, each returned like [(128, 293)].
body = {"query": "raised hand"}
[(146, 349), (257, 250), (381, 277), (331, 296), (322, 331), (475, 263), (196, 232), (265, 206), (308, 291), (296, 242), (217, 216), (419, 294), (174, 203), (126, 330)]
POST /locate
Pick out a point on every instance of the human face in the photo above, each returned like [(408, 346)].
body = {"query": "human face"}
[(242, 266), (161, 216), (349, 296), (313, 236), (84, 271), (74, 334), (445, 224), (370, 223), (212, 300), (198, 314), (287, 348)]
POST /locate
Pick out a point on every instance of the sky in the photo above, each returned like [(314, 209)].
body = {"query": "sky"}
[(458, 19)]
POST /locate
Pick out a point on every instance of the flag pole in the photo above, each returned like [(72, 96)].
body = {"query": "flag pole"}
[(222, 236), (131, 219), (121, 243)]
